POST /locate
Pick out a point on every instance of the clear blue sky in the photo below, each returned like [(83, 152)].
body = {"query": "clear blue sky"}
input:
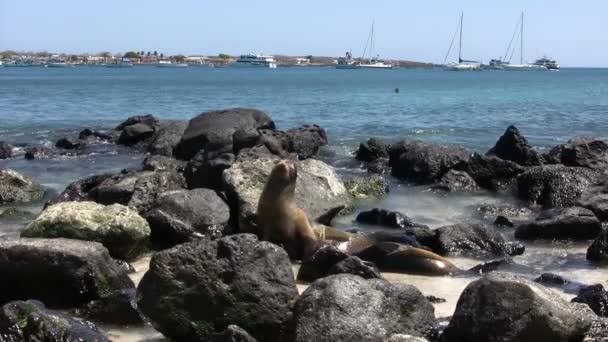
[(574, 32)]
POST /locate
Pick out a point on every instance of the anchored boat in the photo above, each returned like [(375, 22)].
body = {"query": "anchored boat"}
[(462, 65), (522, 66)]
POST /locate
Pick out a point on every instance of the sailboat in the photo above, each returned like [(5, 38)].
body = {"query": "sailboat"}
[(373, 62), (523, 66), (462, 65)]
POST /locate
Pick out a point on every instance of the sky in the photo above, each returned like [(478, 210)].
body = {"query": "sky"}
[(573, 32)]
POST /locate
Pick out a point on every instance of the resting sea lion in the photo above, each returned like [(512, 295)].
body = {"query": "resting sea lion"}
[(279, 219)]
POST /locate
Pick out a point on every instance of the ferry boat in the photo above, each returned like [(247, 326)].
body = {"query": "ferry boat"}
[(255, 61), (169, 64), (550, 64), (462, 65), (347, 62)]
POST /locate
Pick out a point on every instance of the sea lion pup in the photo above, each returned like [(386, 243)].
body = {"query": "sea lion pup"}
[(279, 220)]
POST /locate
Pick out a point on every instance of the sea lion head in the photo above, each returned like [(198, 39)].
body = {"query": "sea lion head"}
[(284, 172)]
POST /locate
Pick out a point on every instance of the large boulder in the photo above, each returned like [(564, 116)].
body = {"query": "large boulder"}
[(596, 297), (137, 130), (386, 218), (501, 307), (118, 308), (553, 186), (119, 228), (69, 143), (455, 180), (585, 152), (205, 169), (163, 163), (197, 289), (213, 130), (371, 187), (354, 265), (178, 216), (513, 146), (306, 140), (15, 187), (6, 151), (38, 152), (595, 198), (491, 172), (347, 307), (372, 150), (62, 273), (567, 223), (423, 162), (319, 264), (473, 240), (167, 137), (319, 192), (598, 251), (79, 190), (31, 321)]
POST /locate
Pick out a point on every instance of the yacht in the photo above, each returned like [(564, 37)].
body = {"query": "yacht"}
[(550, 64), (373, 62), (347, 62), (523, 66), (57, 63), (123, 63), (169, 64), (255, 61), (495, 64), (462, 64)]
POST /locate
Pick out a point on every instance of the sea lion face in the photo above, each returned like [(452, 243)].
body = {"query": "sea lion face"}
[(284, 171)]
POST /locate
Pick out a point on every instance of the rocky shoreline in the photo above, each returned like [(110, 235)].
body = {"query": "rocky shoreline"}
[(192, 203)]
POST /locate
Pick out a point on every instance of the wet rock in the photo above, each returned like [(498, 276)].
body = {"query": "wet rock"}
[(503, 221), (197, 289), (531, 312), (349, 308), (213, 130), (119, 308), (34, 153), (552, 279), (319, 192), (233, 333), (15, 214), (378, 166), (92, 136), (6, 151), (598, 330), (585, 152), (305, 141), (490, 212), (245, 138), (472, 240), (372, 150), (456, 181), (491, 172), (598, 251), (436, 300), (389, 219), (136, 133), (146, 119), (166, 137), (552, 186), (423, 235), (120, 229), (422, 162), (178, 216), (356, 266), (513, 146), (61, 272), (162, 163), (596, 297), (368, 187), (595, 198), (79, 190), (15, 187), (31, 321), (205, 170), (405, 338), (320, 263), (68, 143), (568, 223)]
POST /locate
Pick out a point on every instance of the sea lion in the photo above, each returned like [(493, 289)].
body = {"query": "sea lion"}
[(279, 220)]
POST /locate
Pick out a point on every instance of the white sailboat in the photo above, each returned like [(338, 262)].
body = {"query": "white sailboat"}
[(462, 65), (373, 62), (523, 66)]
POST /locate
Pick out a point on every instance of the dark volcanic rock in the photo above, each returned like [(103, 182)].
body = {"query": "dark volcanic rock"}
[(422, 162), (553, 186), (472, 240), (585, 152), (513, 146), (595, 198), (68, 143), (79, 190), (306, 140), (390, 219), (456, 181), (491, 172), (6, 151), (500, 307), (233, 333), (503, 221), (367, 187), (372, 150), (162, 163), (134, 134), (205, 170), (63, 273), (349, 308), (596, 297), (197, 289), (356, 266), (320, 263), (167, 137), (146, 119), (568, 223), (31, 321), (119, 308), (15, 187), (598, 251), (213, 130), (178, 216), (88, 134), (32, 153)]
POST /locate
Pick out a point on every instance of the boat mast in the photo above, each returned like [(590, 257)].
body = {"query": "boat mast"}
[(521, 54), (460, 42)]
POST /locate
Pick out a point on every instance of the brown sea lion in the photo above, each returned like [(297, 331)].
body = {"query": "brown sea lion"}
[(279, 220)]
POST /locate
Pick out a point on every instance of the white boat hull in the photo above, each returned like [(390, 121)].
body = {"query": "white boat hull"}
[(172, 65), (524, 67), (463, 67), (376, 66), (348, 66), (254, 65)]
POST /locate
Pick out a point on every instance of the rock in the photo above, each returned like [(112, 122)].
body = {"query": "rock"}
[(162, 163), (598, 251), (205, 170), (91, 135), (79, 190), (197, 289), (368, 187), (167, 137), (568, 223), (389, 219), (502, 307), (436, 300), (595, 198), (585, 152), (31, 321), (489, 212), (213, 130), (553, 186), (595, 297), (456, 181), (405, 338), (472, 240), (425, 236), (372, 150), (491, 172), (245, 138), (320, 263), (136, 133), (346, 307), (34, 153), (379, 166), (118, 308), (422, 162), (68, 143), (598, 331), (62, 273), (15, 187), (6, 151), (319, 192), (178, 216), (306, 140), (120, 229), (15, 214), (513, 146), (503, 221), (356, 266), (233, 333), (146, 119)]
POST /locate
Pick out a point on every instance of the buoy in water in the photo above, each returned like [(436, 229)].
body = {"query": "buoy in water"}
[(396, 90)]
